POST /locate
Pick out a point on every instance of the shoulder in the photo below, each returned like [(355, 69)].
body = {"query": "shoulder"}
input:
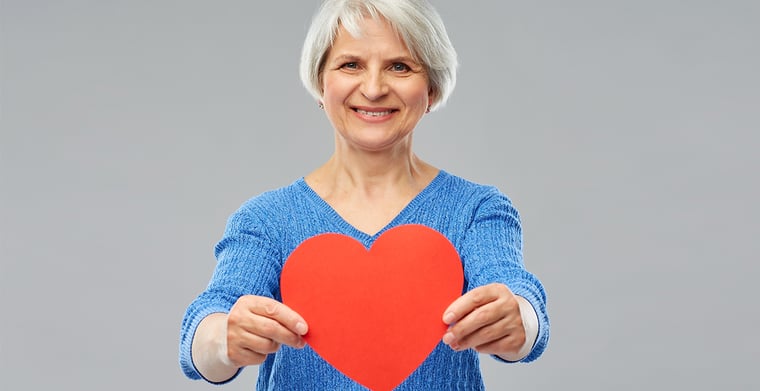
[(267, 208), (469, 191), (273, 201)]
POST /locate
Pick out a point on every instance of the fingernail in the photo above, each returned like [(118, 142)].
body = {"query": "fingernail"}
[(301, 328), (448, 338), (448, 317)]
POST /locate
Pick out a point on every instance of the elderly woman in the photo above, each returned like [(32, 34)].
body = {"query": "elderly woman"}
[(376, 67)]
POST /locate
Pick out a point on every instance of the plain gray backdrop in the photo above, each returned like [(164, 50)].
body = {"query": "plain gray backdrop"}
[(626, 133)]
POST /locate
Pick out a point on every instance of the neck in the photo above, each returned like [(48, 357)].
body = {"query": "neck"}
[(350, 170), (368, 189)]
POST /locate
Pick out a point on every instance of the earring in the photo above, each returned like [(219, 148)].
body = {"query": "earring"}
[(428, 109), (321, 105)]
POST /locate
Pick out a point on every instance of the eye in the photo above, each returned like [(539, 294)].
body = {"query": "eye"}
[(400, 67), (350, 65)]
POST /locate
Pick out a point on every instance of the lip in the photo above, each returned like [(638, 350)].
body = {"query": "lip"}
[(364, 113)]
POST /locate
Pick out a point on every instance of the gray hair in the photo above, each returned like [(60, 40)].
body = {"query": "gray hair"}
[(417, 23)]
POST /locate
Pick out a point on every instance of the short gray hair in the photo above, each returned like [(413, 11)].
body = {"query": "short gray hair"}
[(416, 21)]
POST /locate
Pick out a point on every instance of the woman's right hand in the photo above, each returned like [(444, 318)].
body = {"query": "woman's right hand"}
[(257, 326)]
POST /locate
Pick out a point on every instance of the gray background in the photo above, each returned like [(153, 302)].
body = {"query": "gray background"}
[(626, 132)]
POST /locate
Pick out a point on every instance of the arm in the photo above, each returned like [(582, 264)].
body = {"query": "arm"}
[(214, 345), (255, 327), (504, 310)]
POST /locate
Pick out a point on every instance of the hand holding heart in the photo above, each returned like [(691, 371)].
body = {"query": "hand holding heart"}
[(257, 326), (487, 319), (347, 291)]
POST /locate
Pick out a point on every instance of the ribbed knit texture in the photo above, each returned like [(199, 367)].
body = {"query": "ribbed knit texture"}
[(479, 221)]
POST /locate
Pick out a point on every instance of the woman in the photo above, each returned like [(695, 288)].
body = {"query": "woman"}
[(376, 67)]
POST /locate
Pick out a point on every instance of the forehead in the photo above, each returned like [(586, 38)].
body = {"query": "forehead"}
[(369, 34)]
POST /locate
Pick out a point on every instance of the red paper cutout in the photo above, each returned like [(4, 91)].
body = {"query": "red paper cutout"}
[(374, 315)]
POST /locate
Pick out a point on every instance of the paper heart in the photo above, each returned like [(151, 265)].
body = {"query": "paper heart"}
[(374, 315)]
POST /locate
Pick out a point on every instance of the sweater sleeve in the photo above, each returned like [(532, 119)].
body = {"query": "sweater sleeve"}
[(492, 252), (247, 264)]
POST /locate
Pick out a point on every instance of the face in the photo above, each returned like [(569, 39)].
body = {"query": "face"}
[(374, 93)]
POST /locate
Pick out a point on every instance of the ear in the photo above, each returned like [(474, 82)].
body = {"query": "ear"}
[(432, 96)]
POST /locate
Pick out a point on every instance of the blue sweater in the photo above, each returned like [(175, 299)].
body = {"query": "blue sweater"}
[(479, 221)]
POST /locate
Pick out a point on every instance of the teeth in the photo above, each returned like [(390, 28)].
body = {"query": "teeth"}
[(373, 113)]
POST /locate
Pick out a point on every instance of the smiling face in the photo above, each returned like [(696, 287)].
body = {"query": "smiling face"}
[(374, 93)]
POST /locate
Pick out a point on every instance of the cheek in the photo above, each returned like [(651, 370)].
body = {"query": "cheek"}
[(421, 99), (334, 89), (419, 92)]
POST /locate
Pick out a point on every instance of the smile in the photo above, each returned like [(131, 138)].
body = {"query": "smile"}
[(374, 113)]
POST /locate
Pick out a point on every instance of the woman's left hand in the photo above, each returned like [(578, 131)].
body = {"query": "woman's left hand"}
[(487, 319)]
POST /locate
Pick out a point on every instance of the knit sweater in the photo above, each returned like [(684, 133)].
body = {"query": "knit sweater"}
[(479, 221)]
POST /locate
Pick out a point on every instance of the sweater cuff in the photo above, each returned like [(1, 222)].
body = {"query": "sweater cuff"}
[(186, 355)]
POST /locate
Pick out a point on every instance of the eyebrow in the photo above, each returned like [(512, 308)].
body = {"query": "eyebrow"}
[(406, 59), (352, 57), (345, 57)]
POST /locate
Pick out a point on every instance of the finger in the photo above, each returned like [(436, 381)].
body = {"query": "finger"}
[(468, 302), (281, 313), (242, 357), (271, 329), (482, 318), (257, 343), (511, 343), (263, 317), (240, 338), (500, 336)]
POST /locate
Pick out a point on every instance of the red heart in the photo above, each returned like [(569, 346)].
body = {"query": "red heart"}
[(374, 315)]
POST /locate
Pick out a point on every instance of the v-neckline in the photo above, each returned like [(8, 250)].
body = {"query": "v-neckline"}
[(350, 229)]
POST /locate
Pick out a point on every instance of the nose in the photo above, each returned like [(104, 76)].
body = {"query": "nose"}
[(374, 86)]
